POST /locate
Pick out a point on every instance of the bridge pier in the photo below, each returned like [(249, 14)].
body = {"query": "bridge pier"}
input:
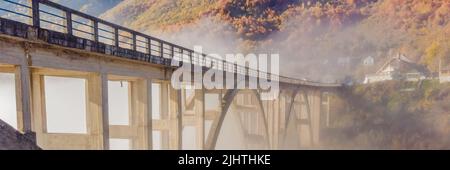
[(306, 107), (200, 118), (169, 124), (302, 115), (175, 118), (139, 127), (95, 136), (142, 125)]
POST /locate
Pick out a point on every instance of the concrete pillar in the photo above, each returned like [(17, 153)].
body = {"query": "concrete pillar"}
[(315, 104), (23, 96), (303, 118), (139, 106), (97, 115), (105, 110), (270, 118), (164, 107), (175, 119), (39, 122), (326, 102), (149, 115), (200, 117), (276, 123), (280, 128)]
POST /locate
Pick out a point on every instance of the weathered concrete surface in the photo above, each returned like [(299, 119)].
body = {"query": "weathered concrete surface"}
[(11, 139)]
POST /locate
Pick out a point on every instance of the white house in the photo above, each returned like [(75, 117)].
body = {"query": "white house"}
[(398, 67), (369, 61), (388, 73), (444, 75)]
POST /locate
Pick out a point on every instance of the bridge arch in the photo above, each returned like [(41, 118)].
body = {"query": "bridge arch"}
[(235, 109)]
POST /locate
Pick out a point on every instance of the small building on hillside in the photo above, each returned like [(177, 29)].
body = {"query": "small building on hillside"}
[(369, 61), (444, 74), (398, 67)]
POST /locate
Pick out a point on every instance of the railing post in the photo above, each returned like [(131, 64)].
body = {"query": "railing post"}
[(35, 12), (204, 62), (116, 36), (190, 57), (224, 65), (149, 45), (95, 30), (134, 42), (172, 51), (161, 49), (69, 23)]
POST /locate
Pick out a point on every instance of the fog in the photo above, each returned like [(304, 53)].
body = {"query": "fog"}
[(8, 112), (65, 105), (118, 101), (214, 36)]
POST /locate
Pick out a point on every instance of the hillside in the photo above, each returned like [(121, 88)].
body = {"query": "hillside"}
[(388, 116), (337, 33)]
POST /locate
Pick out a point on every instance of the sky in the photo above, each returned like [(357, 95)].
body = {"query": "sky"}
[(91, 7)]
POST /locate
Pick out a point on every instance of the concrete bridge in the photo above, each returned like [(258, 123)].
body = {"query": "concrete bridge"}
[(41, 41)]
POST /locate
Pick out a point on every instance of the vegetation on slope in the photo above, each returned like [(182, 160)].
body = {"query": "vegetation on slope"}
[(320, 35), (391, 115), (319, 31)]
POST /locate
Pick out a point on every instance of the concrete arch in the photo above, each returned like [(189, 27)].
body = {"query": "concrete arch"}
[(218, 123), (289, 115), (263, 115)]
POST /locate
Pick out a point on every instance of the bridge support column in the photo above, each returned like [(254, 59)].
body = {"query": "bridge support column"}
[(138, 129), (312, 120), (316, 105), (325, 111), (105, 110), (140, 113), (23, 95), (200, 117), (175, 118), (97, 105), (149, 117), (164, 124), (294, 106), (226, 102), (275, 123), (280, 127), (304, 110), (262, 127), (269, 107)]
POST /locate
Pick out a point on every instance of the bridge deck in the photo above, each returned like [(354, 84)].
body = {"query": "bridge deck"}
[(62, 26)]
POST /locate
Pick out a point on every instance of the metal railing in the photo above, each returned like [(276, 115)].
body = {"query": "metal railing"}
[(52, 16)]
